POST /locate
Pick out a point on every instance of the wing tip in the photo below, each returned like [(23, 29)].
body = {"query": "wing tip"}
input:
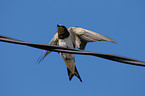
[(114, 41)]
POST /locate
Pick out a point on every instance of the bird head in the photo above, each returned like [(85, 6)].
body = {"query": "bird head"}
[(62, 31)]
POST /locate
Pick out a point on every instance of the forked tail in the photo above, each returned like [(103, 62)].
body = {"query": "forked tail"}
[(71, 75)]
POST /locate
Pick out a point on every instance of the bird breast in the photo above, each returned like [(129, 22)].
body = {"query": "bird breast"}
[(67, 42)]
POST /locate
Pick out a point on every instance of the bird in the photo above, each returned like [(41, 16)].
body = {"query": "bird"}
[(71, 38)]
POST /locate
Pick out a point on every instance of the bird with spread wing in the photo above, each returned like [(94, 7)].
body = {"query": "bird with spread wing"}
[(74, 36), (64, 42)]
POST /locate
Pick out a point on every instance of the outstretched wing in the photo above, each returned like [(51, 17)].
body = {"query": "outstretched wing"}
[(54, 41), (82, 36)]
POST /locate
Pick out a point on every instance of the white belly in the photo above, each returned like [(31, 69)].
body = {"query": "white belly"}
[(68, 58), (66, 43)]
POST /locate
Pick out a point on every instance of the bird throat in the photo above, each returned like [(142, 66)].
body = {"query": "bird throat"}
[(63, 35)]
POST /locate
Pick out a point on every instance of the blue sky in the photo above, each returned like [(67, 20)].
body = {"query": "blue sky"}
[(36, 20)]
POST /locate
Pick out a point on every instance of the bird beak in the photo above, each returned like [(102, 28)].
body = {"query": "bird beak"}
[(58, 25)]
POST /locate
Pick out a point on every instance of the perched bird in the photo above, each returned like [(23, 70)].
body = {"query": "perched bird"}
[(74, 36)]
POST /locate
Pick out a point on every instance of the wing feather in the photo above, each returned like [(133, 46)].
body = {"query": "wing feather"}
[(54, 41), (82, 36)]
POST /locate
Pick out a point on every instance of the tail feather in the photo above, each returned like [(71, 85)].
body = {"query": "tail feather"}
[(71, 75)]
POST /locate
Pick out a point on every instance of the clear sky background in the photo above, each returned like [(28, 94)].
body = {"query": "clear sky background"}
[(36, 20)]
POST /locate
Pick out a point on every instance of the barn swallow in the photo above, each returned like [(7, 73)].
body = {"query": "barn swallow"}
[(74, 36)]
